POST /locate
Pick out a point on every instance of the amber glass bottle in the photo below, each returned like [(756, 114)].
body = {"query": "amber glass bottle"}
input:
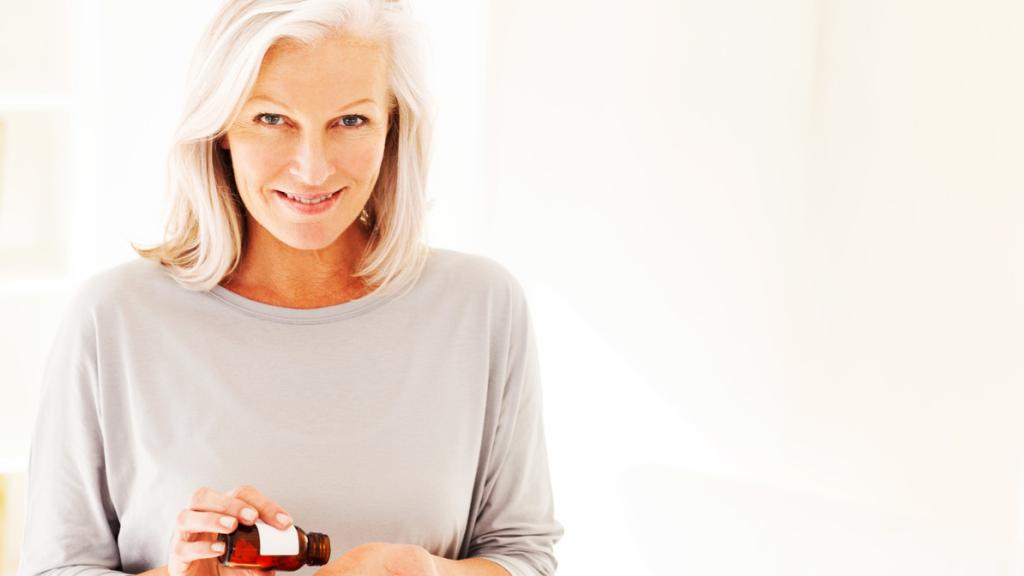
[(287, 550)]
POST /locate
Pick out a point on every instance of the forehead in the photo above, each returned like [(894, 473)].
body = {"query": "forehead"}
[(337, 66)]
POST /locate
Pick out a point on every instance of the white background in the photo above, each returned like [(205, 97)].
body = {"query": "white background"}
[(772, 249)]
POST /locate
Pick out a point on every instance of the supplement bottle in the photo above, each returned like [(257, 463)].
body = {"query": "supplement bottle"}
[(262, 546)]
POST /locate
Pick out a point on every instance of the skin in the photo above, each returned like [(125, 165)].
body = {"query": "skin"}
[(308, 142)]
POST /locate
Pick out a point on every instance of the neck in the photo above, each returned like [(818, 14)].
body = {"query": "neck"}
[(273, 272)]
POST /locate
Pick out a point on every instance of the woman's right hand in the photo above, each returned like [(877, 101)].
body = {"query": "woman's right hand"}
[(194, 547)]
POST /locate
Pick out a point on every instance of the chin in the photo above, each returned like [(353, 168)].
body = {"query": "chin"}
[(307, 237)]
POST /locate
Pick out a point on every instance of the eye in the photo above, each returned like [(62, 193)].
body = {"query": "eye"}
[(362, 121), (272, 116)]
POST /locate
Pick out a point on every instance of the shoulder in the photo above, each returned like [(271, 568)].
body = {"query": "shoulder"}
[(99, 300), (474, 273), (460, 281), (116, 287)]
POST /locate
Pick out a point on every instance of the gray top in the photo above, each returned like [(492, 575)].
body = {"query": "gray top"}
[(411, 419)]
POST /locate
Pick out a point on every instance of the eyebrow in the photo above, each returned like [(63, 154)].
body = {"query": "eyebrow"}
[(285, 106)]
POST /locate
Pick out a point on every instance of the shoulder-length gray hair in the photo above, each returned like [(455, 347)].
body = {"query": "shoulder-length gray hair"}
[(203, 238)]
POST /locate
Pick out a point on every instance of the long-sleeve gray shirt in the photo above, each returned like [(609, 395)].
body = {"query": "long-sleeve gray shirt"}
[(414, 419)]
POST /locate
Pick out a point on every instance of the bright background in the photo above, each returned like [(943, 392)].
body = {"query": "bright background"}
[(771, 247)]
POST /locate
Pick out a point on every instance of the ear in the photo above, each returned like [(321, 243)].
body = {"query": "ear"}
[(223, 143)]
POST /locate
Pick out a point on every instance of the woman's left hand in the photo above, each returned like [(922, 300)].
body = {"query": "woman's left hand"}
[(382, 559)]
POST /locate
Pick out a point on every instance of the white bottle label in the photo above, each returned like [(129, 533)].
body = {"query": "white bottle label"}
[(274, 542)]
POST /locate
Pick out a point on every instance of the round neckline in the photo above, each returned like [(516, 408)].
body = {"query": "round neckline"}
[(330, 313)]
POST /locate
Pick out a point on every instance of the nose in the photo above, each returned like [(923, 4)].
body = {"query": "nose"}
[(312, 163)]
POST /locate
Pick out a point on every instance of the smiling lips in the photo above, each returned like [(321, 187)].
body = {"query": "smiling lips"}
[(308, 197), (313, 206)]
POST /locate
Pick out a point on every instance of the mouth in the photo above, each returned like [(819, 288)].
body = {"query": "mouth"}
[(309, 205), (307, 199)]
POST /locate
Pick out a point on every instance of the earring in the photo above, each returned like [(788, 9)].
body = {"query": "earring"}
[(364, 217)]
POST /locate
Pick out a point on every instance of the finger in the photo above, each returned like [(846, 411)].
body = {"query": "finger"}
[(206, 500), (269, 512), (192, 522), (200, 550)]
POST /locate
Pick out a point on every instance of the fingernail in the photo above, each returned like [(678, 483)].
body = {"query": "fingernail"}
[(227, 521), (217, 546), (283, 518), (249, 514)]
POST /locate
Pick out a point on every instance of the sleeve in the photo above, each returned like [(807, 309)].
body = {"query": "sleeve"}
[(516, 527), (70, 523)]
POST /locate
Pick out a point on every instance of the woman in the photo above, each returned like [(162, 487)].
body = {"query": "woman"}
[(293, 351)]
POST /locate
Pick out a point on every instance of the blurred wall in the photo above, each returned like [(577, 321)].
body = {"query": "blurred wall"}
[(776, 254)]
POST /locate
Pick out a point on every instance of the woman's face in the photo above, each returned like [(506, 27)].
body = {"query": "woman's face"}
[(315, 125)]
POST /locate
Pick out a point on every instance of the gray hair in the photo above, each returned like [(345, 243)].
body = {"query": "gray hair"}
[(203, 238)]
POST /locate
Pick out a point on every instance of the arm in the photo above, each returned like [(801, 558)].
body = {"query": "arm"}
[(515, 526), (513, 529), (468, 567), (70, 523)]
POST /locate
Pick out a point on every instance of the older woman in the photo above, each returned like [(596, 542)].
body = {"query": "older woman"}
[(293, 350)]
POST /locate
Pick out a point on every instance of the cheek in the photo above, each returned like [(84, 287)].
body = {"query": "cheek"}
[(253, 163), (363, 161)]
